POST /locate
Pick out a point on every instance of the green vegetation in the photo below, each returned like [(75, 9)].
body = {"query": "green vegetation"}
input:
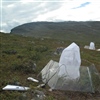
[(18, 55), (76, 31)]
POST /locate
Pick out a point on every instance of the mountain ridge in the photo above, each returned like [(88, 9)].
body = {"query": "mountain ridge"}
[(90, 31)]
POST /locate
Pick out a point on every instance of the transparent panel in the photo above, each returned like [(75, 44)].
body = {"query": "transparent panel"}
[(95, 75), (83, 84), (89, 80)]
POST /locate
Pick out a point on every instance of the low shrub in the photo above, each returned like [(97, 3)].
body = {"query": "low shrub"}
[(9, 51), (41, 49), (25, 67)]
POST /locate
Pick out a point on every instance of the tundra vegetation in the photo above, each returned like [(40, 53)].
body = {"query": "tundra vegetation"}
[(18, 54)]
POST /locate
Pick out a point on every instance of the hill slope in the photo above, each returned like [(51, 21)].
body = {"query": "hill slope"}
[(17, 57), (89, 31)]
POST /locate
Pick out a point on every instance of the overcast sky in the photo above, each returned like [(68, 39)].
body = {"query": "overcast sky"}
[(17, 12)]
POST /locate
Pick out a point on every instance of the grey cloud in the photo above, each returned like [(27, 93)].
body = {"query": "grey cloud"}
[(21, 10), (9, 25), (23, 13)]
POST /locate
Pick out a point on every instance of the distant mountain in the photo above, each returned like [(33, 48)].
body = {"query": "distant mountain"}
[(89, 31)]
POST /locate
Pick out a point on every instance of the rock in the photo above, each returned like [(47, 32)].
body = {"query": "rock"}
[(38, 95), (34, 66), (59, 50)]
